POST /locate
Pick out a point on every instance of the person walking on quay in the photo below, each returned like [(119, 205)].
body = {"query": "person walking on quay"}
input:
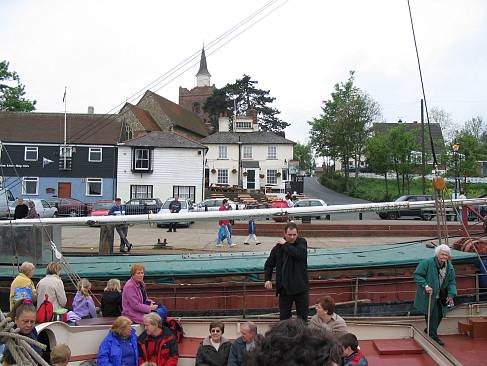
[(118, 210), (252, 233), (290, 258), (174, 207), (224, 227), (32, 211), (436, 288)]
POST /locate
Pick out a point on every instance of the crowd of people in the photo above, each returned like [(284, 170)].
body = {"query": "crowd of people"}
[(323, 339)]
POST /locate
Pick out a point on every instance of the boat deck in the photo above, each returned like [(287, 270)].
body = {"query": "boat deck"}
[(467, 350)]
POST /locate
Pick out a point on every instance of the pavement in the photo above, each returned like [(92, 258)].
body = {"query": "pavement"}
[(200, 237)]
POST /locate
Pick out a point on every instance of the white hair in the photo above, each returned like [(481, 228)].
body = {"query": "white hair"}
[(442, 248)]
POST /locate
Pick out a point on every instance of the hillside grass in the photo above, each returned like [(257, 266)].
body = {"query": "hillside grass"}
[(373, 190)]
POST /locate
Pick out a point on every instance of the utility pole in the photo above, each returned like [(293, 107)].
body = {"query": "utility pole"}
[(423, 153)]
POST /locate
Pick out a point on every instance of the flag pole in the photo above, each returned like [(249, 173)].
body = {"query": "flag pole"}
[(64, 149)]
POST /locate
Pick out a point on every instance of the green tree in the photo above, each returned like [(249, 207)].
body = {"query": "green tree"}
[(402, 144), (378, 155), (469, 153), (342, 130), (304, 154), (242, 97), (12, 97)]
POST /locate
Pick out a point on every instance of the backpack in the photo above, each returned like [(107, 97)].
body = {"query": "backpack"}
[(176, 328), (45, 311)]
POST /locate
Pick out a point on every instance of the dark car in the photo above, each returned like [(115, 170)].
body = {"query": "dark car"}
[(140, 206), (411, 212), (68, 206)]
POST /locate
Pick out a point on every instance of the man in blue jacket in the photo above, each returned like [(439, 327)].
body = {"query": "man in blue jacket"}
[(243, 345), (117, 210)]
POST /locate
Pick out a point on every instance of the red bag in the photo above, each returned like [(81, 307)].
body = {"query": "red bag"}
[(176, 328), (45, 311)]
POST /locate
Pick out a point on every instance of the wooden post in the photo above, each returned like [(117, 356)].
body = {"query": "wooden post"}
[(105, 246), (355, 305)]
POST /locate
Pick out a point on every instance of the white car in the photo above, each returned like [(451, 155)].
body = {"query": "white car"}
[(186, 206), (43, 208), (311, 202), (213, 204)]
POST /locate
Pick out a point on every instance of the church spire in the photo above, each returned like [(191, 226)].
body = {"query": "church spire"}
[(203, 75)]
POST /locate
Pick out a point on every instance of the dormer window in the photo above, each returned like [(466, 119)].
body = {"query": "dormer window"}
[(243, 125)]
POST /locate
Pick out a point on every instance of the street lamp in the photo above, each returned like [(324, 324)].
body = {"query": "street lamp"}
[(455, 147)]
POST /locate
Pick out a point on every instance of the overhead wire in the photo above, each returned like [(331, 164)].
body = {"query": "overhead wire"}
[(88, 132)]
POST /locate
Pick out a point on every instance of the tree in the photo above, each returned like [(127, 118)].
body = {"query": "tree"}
[(240, 98), (341, 131), (12, 97), (379, 157), (304, 154), (469, 153), (402, 144), (475, 127), (448, 127)]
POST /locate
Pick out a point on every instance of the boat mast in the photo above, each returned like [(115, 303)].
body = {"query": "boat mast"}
[(64, 148)]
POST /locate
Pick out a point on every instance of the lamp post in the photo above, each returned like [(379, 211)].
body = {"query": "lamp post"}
[(455, 147)]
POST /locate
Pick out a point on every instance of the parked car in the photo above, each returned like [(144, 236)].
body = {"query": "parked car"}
[(186, 206), (141, 206), (101, 208), (213, 204), (43, 208), (411, 212), (68, 206), (311, 202), (6, 200)]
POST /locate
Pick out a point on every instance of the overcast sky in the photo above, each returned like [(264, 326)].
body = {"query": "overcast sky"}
[(106, 51)]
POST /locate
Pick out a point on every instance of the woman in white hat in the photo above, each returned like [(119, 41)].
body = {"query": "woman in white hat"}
[(435, 278)]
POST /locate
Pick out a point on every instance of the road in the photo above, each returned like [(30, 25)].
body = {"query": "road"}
[(313, 189)]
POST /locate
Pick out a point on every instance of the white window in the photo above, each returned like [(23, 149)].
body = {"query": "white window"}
[(245, 125), (272, 176), (222, 176), (65, 151), (247, 152), (95, 155), (142, 159), (184, 192), (137, 191), (271, 152), (94, 186), (30, 186), (222, 152), (31, 153)]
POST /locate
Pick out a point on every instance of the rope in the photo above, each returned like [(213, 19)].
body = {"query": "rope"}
[(20, 346)]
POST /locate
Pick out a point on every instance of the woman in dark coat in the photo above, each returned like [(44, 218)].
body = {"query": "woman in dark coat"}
[(436, 277), (215, 348)]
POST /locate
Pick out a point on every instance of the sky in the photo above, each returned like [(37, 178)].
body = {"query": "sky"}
[(105, 52)]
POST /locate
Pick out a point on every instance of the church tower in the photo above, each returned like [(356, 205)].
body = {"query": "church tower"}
[(194, 99), (203, 75)]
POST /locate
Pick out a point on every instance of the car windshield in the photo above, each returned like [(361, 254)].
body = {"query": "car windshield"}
[(168, 202), (103, 206)]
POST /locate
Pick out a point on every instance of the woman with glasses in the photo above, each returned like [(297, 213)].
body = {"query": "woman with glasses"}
[(214, 349)]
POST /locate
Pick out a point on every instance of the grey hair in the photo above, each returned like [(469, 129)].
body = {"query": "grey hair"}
[(154, 319), (26, 268), (442, 248), (252, 327)]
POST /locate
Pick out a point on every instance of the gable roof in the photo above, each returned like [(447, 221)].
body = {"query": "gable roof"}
[(144, 117), (179, 116), (436, 133), (163, 139), (256, 137), (89, 129)]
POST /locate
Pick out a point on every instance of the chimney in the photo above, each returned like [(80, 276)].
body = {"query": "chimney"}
[(223, 123), (91, 109)]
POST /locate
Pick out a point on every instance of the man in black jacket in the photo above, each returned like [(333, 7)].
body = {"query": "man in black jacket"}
[(174, 207), (290, 258), (21, 210)]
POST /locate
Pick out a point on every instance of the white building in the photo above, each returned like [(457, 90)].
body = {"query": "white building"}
[(247, 157), (160, 165)]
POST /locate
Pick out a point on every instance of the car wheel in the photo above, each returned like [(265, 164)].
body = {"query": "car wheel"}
[(427, 217), (55, 214), (383, 215), (73, 213), (392, 216)]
